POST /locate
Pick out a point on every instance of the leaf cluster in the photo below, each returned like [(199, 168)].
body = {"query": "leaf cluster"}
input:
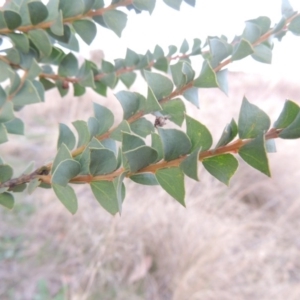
[(44, 37)]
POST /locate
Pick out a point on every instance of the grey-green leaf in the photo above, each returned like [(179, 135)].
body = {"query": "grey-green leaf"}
[(199, 135), (102, 161), (38, 12), (104, 116), (189, 165), (86, 29), (115, 20), (66, 136), (7, 200), (105, 193), (172, 181), (140, 158), (254, 153), (222, 166), (144, 178), (67, 197), (175, 143), (65, 171), (252, 120), (287, 115), (159, 84)]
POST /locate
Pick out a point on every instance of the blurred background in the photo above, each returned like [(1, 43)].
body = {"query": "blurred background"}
[(236, 242)]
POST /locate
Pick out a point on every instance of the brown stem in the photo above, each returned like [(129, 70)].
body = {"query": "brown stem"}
[(43, 173)]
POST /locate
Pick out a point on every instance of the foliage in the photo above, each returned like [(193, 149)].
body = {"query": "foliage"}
[(41, 57)]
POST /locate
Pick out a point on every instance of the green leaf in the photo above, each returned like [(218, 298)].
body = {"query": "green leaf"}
[(105, 193), (192, 96), (196, 50), (262, 53), (254, 153), (78, 90), (71, 8), (120, 190), (251, 32), (131, 141), (175, 143), (55, 32), (100, 88), (12, 19), (286, 9), (294, 26), (175, 109), (6, 173), (15, 126), (6, 71), (65, 171), (152, 104), (67, 197), (158, 52), (57, 27), (20, 40), (184, 47), (219, 50), (98, 4), (228, 134), (117, 133), (132, 58), (144, 178), (207, 77), (83, 132), (68, 67), (140, 158), (66, 136), (199, 135), (86, 29), (84, 158), (115, 20), (162, 64), (222, 78), (159, 84), (157, 145), (221, 166), (6, 112), (62, 154), (7, 200), (189, 165), (287, 115), (242, 50), (142, 127), (172, 50), (41, 40), (38, 12), (172, 181), (128, 79), (102, 161), (263, 23), (131, 103), (191, 2), (177, 75), (147, 5), (293, 130), (173, 3), (104, 116), (94, 126), (26, 95), (34, 70), (252, 120), (85, 76)]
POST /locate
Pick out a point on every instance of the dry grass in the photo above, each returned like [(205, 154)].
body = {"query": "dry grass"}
[(240, 242)]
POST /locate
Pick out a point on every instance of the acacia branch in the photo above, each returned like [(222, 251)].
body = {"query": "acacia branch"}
[(232, 147)]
